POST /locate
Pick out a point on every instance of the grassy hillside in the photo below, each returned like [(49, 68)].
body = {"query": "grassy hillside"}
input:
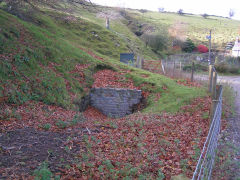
[(118, 27), (48, 62), (39, 60), (195, 27), (34, 60)]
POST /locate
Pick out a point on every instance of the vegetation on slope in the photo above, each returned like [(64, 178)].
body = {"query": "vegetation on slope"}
[(52, 60), (192, 26), (135, 26), (39, 60)]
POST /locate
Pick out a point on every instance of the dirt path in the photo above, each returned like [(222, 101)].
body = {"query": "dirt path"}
[(233, 81), (23, 150), (230, 137), (233, 130)]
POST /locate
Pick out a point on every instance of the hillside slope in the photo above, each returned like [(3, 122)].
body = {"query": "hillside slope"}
[(48, 63), (195, 27), (37, 56), (127, 22)]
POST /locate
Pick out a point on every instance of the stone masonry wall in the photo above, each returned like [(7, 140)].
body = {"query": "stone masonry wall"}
[(115, 102)]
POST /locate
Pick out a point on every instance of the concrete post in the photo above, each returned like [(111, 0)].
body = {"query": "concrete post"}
[(163, 70)]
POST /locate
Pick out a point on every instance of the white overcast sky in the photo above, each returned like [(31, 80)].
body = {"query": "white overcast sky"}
[(213, 7)]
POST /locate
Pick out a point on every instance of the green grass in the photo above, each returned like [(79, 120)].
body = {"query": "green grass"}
[(49, 38), (229, 97), (29, 67), (190, 26), (196, 27), (44, 173), (46, 126), (174, 97), (118, 28)]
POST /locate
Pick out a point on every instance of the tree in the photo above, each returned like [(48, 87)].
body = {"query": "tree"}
[(205, 15), (180, 12), (157, 41), (231, 13), (188, 46)]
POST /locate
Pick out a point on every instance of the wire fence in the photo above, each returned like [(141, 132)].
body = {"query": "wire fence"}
[(175, 69), (178, 69), (206, 161), (216, 57), (180, 65)]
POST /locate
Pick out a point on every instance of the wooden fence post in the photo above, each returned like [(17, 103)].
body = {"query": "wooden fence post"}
[(214, 94), (214, 84), (142, 63), (210, 78), (192, 72)]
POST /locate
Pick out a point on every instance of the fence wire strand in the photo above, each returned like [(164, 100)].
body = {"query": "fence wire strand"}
[(206, 161)]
